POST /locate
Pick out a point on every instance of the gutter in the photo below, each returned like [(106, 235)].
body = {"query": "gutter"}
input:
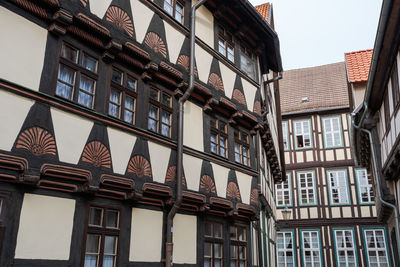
[(179, 171)]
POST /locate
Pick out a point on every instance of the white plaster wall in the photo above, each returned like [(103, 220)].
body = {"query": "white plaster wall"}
[(329, 155), (71, 134), (244, 183), (99, 8), (193, 126), (203, 63), (192, 167), (221, 178), (228, 78), (174, 41), (159, 161), (340, 154), (142, 16), (146, 235), (121, 146), (185, 239), (204, 25), (22, 49), (45, 228), (13, 111)]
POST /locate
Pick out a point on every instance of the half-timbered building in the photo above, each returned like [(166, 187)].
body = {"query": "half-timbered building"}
[(331, 202), (103, 104)]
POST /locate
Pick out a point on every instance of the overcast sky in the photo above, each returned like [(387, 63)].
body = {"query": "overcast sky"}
[(318, 32)]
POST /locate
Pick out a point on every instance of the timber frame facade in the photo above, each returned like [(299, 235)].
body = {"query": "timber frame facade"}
[(89, 96)]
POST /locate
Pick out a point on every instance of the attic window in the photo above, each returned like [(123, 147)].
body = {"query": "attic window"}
[(304, 99)]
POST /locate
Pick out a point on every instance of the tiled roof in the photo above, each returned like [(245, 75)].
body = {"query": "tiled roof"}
[(314, 88), (358, 64), (264, 11)]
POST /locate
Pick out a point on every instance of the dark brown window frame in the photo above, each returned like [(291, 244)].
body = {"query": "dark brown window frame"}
[(161, 107), (246, 51), (174, 3), (218, 134), (4, 204), (242, 145), (79, 70), (102, 231), (124, 93), (394, 79), (214, 240), (238, 243), (224, 36)]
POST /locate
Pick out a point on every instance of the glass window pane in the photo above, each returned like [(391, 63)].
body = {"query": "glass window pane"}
[(166, 100), (154, 94), (110, 245), (70, 53), (96, 216), (116, 76), (89, 63), (92, 243), (131, 83), (109, 261), (64, 90), (112, 219)]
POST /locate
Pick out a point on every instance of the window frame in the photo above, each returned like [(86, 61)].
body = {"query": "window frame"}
[(394, 81), (79, 71), (302, 231), (285, 134), (346, 177), (217, 132), (310, 133), (173, 5), (239, 243), (354, 244), (360, 201), (339, 117), (124, 92), (387, 248), (292, 233), (160, 107), (102, 231), (315, 203), (289, 189), (213, 240), (246, 52), (242, 145), (223, 36)]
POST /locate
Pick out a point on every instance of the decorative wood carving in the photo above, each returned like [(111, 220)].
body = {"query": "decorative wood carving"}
[(84, 2), (140, 166), (156, 43), (184, 61), (232, 191), (239, 96), (257, 107), (171, 176), (120, 18), (207, 184), (254, 197), (216, 81), (38, 141), (97, 154)]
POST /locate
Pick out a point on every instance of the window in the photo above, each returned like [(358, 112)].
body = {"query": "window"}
[(386, 111), (395, 85), (365, 188), (160, 112), (242, 147), (285, 249), (218, 137), (332, 132), (311, 250), (307, 191), (283, 193), (76, 79), (2, 218), (225, 44), (377, 253), (122, 97), (213, 244), (303, 134), (345, 248), (338, 189), (248, 63), (175, 9), (285, 135), (238, 245)]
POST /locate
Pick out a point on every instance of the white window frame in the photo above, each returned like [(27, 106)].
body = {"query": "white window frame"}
[(364, 183), (303, 133), (279, 188), (375, 249), (334, 174), (285, 135), (284, 249), (346, 250), (307, 188), (314, 249), (338, 132)]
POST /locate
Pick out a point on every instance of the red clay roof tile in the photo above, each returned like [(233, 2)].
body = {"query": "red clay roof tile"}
[(358, 64), (264, 11)]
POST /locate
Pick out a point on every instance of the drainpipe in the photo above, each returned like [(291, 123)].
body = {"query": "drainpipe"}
[(179, 171), (377, 174)]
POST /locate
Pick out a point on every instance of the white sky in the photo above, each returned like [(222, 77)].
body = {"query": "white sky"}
[(318, 32)]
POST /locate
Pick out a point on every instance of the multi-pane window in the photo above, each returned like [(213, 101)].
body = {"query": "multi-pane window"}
[(122, 98), (101, 243), (307, 193), (242, 147), (285, 135), (338, 187), (395, 85), (76, 78), (218, 137), (175, 9), (160, 112), (311, 249), (283, 194), (248, 63), (345, 248), (225, 44), (365, 187), (238, 245), (332, 132), (213, 244), (375, 241), (303, 134), (285, 249)]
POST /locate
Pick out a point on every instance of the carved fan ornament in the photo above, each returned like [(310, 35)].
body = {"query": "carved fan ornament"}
[(154, 41), (38, 141), (232, 191), (257, 107), (84, 2), (171, 176), (120, 18), (239, 96), (97, 154), (139, 166), (216, 81), (254, 197), (184, 61), (207, 184)]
